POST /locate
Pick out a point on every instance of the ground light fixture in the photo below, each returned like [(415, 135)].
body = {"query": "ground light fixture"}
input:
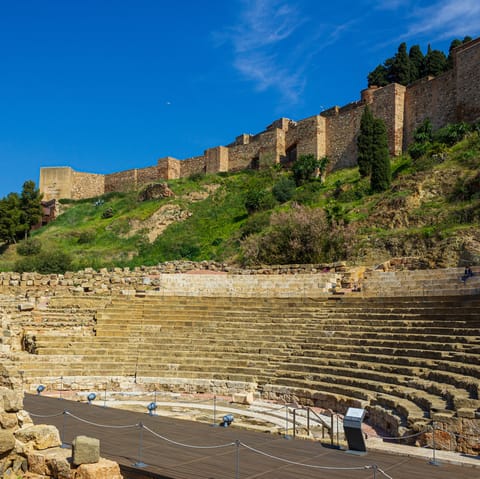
[(91, 397)]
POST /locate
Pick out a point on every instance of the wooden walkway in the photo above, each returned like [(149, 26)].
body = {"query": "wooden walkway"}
[(176, 449)]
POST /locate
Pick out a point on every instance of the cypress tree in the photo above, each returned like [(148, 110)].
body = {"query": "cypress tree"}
[(365, 143), (381, 175)]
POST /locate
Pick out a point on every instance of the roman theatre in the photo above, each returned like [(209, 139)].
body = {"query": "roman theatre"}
[(400, 342)]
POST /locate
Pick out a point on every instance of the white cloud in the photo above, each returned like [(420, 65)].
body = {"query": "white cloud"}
[(273, 43), (261, 41), (390, 4), (446, 19)]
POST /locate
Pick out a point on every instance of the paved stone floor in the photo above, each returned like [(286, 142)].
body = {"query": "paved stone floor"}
[(179, 449)]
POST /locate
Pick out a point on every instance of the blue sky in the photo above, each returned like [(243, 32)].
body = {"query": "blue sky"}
[(109, 85)]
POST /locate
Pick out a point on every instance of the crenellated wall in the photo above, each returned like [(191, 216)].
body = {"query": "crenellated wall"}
[(448, 98)]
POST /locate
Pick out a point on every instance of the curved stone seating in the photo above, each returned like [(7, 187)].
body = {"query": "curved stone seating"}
[(402, 357)]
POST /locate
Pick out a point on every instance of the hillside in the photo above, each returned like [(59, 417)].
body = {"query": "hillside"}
[(431, 211)]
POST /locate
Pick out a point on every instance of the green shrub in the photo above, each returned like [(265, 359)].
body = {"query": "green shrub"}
[(305, 168), (284, 190), (417, 150), (452, 133), (46, 262), (467, 189), (196, 176), (86, 237), (107, 213), (255, 224), (29, 247), (258, 199), (308, 193)]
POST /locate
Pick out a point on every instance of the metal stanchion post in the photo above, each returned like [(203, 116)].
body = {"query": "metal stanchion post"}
[(294, 420), (338, 433), (374, 467), (237, 459), (64, 444), (331, 429), (308, 421), (105, 396), (214, 424), (61, 388), (140, 463), (433, 461), (286, 436)]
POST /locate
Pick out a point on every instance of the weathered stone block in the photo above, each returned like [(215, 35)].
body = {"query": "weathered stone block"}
[(104, 469), (7, 441), (10, 401), (52, 462), (8, 420), (86, 450), (39, 437), (243, 398)]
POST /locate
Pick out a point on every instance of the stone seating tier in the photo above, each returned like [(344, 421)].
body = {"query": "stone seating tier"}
[(350, 348)]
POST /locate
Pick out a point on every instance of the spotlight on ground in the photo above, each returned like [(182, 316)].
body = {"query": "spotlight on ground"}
[(227, 420), (91, 397), (40, 389), (151, 408)]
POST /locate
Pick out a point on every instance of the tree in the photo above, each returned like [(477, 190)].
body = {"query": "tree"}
[(378, 77), (381, 175), (373, 156), (455, 43), (10, 215), (416, 62), (365, 143), (399, 71), (30, 206), (435, 62), (305, 168)]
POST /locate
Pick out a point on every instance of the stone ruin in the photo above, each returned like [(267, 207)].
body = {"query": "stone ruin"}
[(34, 451)]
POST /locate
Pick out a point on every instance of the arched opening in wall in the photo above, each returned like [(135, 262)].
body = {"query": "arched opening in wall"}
[(291, 154), (255, 163)]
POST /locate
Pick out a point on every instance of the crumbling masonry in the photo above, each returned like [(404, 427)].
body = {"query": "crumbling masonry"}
[(448, 98)]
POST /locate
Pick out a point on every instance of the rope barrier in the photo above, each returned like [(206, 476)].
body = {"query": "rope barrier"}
[(294, 463), (186, 445), (381, 471), (46, 417), (252, 449), (100, 425)]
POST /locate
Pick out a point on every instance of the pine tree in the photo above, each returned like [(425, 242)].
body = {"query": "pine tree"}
[(416, 62), (381, 175), (378, 77), (400, 69), (365, 143), (435, 62)]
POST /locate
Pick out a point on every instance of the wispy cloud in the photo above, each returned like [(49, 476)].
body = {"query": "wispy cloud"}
[(273, 42), (390, 4), (446, 19)]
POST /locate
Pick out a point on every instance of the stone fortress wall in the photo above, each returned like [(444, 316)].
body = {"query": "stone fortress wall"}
[(451, 97)]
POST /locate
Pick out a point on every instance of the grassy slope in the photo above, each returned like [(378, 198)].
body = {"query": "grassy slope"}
[(427, 203)]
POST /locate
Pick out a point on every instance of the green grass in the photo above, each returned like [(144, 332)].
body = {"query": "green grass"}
[(216, 225)]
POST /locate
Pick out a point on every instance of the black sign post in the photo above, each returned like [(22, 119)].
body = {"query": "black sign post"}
[(352, 425)]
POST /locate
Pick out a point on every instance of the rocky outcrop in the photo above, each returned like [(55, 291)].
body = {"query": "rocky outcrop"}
[(29, 451)]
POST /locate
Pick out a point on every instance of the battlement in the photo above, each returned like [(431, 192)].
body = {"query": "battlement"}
[(448, 98)]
